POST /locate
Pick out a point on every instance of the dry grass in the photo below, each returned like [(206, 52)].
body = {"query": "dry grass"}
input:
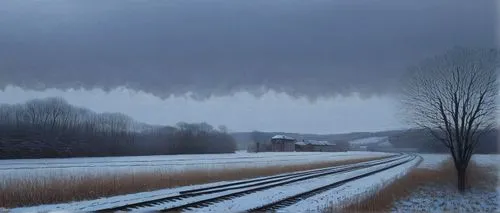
[(383, 199), (17, 193)]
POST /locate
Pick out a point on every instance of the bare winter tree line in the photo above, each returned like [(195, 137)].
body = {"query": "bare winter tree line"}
[(51, 127)]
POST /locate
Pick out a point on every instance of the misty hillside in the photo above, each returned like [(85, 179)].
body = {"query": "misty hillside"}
[(243, 139), (419, 139)]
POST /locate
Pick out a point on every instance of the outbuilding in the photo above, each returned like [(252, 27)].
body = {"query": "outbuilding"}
[(315, 146), (282, 143)]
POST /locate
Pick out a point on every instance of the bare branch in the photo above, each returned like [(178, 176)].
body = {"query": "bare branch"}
[(454, 97)]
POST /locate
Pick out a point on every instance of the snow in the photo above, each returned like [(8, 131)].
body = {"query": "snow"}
[(40, 169), (385, 144), (369, 140), (432, 161), (261, 198), (282, 137), (446, 198), (300, 143), (426, 199), (93, 205), (314, 142), (487, 160), (352, 190)]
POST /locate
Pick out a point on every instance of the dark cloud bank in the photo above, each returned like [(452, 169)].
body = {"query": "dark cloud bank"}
[(313, 48)]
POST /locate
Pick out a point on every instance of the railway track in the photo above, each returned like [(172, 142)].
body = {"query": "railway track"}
[(204, 197), (288, 201)]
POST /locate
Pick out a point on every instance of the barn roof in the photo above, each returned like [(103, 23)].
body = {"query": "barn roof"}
[(282, 137), (301, 143), (314, 142)]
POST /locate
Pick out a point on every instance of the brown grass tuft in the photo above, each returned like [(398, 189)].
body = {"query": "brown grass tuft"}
[(18, 193), (382, 200)]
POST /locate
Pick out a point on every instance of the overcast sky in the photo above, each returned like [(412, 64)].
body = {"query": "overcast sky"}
[(235, 58)]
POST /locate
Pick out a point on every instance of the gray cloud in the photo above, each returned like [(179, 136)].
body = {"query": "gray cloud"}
[(313, 48)]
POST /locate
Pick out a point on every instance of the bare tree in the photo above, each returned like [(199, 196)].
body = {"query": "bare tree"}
[(259, 139), (453, 96), (21, 116), (33, 113), (51, 127), (6, 112), (57, 110), (223, 128)]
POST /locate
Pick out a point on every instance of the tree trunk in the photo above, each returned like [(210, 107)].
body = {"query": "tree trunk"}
[(461, 178)]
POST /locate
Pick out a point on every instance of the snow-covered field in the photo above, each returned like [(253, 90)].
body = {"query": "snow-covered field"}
[(369, 141), (430, 198), (433, 160), (311, 204), (445, 198), (242, 203), (71, 167)]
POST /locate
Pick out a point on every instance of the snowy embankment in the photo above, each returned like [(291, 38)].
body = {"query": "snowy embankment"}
[(446, 198), (73, 167), (353, 190), (311, 204)]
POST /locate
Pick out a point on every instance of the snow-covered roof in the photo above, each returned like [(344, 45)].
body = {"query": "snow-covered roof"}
[(300, 143), (385, 144), (314, 142), (282, 137), (370, 140)]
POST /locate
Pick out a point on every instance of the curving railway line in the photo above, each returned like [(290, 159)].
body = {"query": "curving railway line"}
[(191, 200)]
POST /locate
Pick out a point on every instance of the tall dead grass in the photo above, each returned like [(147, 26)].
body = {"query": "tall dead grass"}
[(382, 200), (29, 192)]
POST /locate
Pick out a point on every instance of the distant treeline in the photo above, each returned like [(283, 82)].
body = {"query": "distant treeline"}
[(420, 140), (426, 143), (52, 128)]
